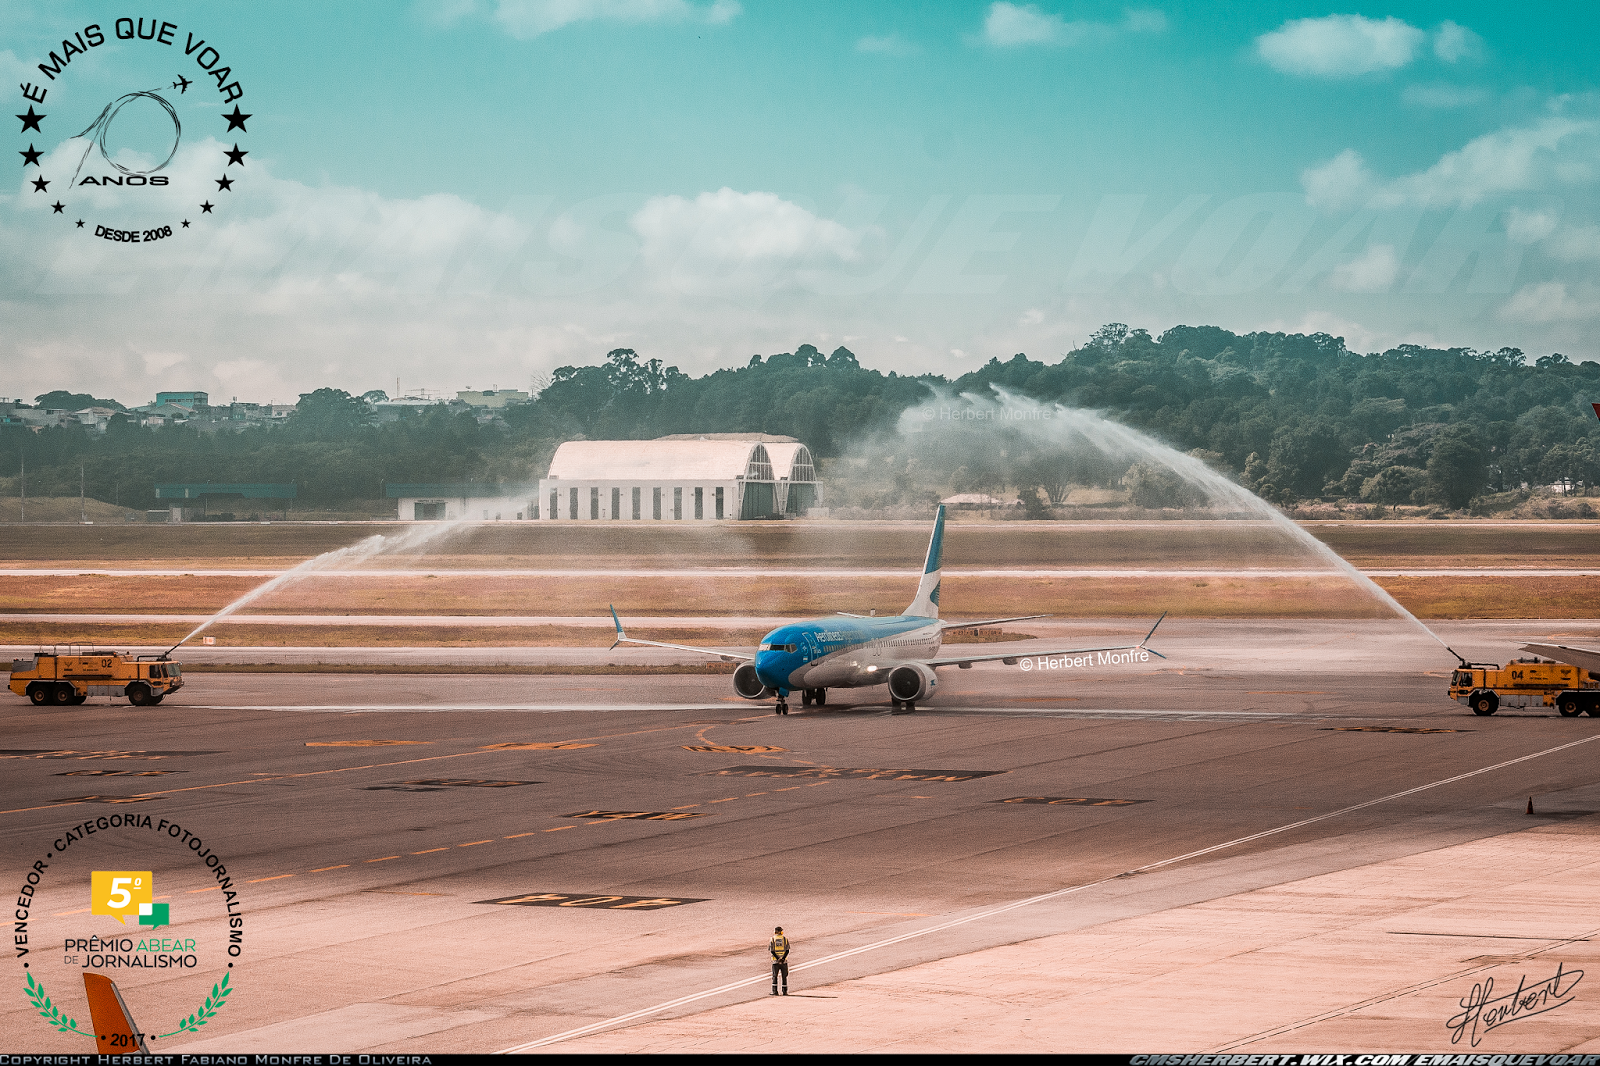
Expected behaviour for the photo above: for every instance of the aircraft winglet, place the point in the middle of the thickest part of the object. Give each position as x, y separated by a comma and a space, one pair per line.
114, 1029
1152, 633
621, 636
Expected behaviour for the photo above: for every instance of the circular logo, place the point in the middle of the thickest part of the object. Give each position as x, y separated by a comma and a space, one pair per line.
1026, 664
158, 153
127, 929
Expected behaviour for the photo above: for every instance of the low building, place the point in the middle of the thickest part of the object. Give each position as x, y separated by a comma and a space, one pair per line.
445, 501
191, 400
202, 500
494, 399
687, 477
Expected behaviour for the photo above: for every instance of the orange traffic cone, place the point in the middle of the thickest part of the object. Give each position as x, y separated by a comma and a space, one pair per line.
1530, 804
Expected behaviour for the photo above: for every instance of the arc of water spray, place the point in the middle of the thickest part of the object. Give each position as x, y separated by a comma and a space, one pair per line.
1110, 435
339, 558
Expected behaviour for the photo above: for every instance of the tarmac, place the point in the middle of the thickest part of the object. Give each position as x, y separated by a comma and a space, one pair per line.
1284, 837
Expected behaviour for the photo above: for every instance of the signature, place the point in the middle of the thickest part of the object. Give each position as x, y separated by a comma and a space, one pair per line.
1482, 1011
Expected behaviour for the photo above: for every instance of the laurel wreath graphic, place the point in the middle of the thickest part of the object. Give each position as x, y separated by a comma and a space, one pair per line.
48, 1011
214, 1002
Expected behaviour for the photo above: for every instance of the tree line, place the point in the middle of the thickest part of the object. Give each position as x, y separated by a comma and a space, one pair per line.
1294, 416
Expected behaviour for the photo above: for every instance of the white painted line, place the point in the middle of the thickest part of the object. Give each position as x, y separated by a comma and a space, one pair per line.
646, 1012
549, 707
704, 572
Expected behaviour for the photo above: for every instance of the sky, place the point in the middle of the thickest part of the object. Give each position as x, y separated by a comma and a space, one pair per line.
471, 193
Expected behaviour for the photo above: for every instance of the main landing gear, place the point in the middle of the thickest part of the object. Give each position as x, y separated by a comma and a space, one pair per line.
808, 697
904, 706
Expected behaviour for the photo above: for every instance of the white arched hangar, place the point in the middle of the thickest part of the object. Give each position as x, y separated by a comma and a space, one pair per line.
686, 478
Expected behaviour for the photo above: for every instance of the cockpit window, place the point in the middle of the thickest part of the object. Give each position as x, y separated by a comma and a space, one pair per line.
778, 647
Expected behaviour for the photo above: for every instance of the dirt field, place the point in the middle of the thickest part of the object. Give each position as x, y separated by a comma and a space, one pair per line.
815, 544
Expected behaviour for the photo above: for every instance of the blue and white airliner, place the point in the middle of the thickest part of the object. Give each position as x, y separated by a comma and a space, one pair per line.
857, 651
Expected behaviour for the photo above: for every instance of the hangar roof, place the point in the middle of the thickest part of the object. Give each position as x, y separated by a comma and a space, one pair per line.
656, 460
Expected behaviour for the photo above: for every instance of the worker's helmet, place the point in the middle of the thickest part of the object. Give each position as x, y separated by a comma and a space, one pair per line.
777, 929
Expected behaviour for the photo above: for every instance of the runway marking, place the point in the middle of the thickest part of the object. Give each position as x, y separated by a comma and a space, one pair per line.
646, 1012
733, 749
598, 902
855, 773
474, 843
361, 743
559, 828
514, 836
386, 858
117, 773
258, 880
1070, 801
213, 888
429, 851
72, 753
1387, 729
325, 869
555, 746
649, 816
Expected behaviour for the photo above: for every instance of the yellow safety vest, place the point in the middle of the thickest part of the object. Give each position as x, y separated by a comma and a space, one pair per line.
779, 948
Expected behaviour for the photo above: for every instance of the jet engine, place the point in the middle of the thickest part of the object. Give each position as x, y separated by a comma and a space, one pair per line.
912, 682
747, 684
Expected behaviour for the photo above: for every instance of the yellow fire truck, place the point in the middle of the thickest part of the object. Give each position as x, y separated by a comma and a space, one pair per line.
71, 675
1487, 687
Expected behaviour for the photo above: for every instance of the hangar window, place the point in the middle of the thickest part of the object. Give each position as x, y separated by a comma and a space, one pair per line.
677, 503
655, 506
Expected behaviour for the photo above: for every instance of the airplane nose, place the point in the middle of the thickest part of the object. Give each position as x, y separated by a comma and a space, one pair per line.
769, 669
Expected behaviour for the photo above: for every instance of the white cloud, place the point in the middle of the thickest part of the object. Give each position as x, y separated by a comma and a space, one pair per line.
1343, 181
1526, 227
1575, 245
526, 19
891, 44
1550, 301
1010, 25
444, 12
737, 240
1554, 151
1372, 271
1441, 96
1340, 46
1453, 43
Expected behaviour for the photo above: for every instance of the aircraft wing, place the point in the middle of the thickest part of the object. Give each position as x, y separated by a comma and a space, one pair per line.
725, 656
1012, 657
1582, 658
946, 626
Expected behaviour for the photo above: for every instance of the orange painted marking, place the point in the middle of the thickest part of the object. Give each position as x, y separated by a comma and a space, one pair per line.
559, 828
475, 843
429, 851
325, 869
258, 880
386, 858
529, 833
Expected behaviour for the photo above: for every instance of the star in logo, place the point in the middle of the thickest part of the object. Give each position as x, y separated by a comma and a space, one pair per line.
235, 156
58, 207
235, 120
40, 184
30, 156
224, 183
207, 206
80, 223
185, 223
30, 121
155, 915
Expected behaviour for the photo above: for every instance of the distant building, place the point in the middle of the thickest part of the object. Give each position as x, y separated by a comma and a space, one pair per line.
191, 400
453, 500
687, 477
394, 410
977, 499
193, 501
494, 399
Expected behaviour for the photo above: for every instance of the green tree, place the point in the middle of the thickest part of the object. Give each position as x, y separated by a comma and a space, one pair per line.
1457, 465
1393, 485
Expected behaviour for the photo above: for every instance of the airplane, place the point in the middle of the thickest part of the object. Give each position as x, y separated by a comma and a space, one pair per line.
184, 82
861, 651
113, 1022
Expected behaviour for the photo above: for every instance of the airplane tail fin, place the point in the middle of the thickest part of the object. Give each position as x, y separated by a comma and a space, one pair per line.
926, 605
114, 1028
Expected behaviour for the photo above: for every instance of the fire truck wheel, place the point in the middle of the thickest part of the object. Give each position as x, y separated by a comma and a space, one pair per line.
1569, 706
84, 698
65, 694
1594, 710
1485, 702
138, 694
39, 694
158, 699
